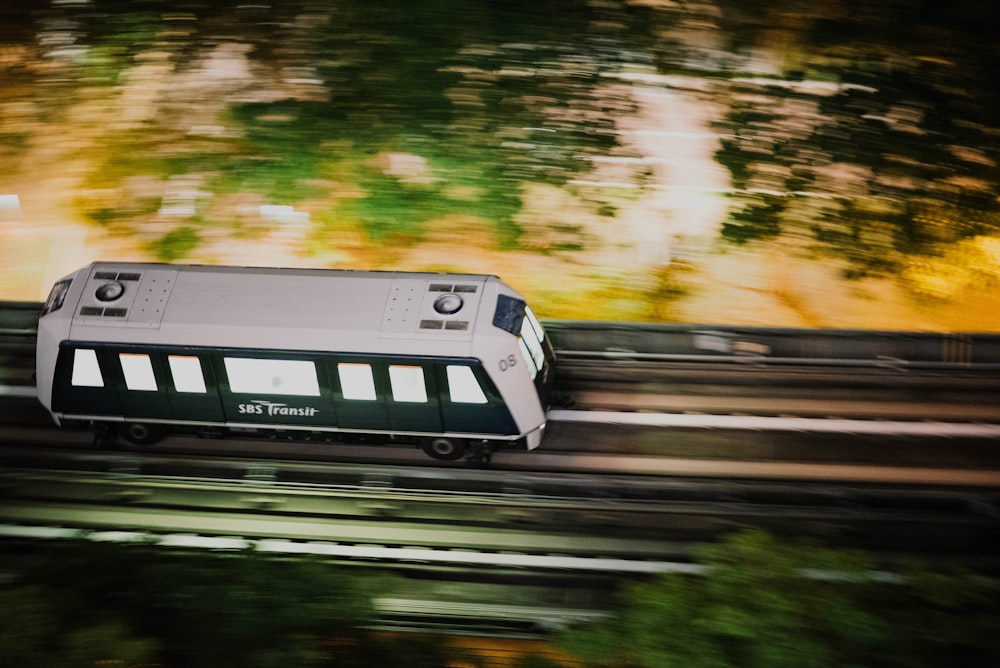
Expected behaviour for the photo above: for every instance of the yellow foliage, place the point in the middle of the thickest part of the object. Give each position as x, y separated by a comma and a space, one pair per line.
967, 265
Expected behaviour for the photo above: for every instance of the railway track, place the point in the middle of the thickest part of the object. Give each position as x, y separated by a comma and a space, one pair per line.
493, 519
883, 444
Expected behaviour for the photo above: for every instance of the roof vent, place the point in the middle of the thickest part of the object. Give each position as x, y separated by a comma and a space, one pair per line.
453, 325
106, 312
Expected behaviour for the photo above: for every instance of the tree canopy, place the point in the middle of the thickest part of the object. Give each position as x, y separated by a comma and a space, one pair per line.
769, 603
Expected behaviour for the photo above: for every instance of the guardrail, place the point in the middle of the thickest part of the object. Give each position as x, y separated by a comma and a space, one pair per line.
502, 512
18, 329
19, 319
773, 345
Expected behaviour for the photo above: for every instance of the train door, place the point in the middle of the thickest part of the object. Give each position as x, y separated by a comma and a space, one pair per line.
141, 387
160, 385
413, 403
273, 390
359, 393
81, 385
470, 402
192, 387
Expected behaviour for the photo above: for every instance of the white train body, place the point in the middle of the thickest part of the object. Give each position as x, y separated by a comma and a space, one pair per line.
412, 355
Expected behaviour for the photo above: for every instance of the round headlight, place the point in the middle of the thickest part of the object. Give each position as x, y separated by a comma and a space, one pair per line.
448, 304
110, 291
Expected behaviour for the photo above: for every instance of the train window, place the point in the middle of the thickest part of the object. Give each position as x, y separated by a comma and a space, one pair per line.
266, 376
407, 384
534, 344
535, 325
526, 354
509, 313
57, 296
357, 381
86, 371
138, 371
187, 375
463, 388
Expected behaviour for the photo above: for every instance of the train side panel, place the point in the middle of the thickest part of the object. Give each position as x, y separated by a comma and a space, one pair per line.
276, 389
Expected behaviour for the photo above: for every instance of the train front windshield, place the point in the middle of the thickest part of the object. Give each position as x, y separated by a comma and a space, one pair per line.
537, 353
531, 340
516, 317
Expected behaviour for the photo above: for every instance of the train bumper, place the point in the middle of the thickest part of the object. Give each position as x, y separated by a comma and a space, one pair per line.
533, 438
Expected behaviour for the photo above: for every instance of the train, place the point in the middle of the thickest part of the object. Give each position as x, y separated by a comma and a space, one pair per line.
456, 364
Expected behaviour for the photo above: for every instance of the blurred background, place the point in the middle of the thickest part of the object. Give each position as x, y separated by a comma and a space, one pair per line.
764, 163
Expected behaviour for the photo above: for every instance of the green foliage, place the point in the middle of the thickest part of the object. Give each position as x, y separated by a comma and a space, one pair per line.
943, 618
175, 244
27, 624
35, 631
669, 285
760, 218
13, 142
259, 610
395, 211
282, 148
82, 604
106, 643
908, 133
102, 216
771, 604
400, 78
130, 33
496, 94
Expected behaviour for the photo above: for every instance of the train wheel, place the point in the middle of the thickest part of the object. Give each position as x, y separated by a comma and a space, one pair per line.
447, 449
140, 433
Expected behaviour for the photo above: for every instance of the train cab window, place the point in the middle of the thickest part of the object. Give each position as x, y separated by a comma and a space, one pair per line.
530, 336
407, 384
187, 374
268, 376
57, 296
138, 372
509, 313
536, 326
528, 358
357, 381
86, 370
463, 388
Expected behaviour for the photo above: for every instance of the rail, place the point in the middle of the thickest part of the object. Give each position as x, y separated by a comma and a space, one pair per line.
495, 519
773, 345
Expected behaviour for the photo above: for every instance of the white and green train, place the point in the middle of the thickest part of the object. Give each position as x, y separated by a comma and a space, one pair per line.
445, 361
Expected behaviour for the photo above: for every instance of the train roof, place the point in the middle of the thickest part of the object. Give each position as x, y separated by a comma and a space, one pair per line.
317, 309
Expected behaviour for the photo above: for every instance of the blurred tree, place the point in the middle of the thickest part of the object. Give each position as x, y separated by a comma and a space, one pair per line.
949, 618
245, 611
109, 643
176, 244
242, 609
27, 625
768, 603
35, 632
